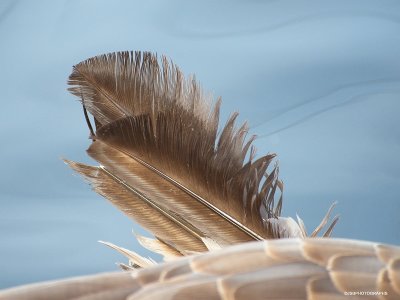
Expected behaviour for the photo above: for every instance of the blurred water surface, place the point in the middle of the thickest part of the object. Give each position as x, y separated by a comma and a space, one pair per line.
319, 82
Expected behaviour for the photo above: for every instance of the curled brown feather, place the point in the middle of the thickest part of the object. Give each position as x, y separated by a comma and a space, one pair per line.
151, 115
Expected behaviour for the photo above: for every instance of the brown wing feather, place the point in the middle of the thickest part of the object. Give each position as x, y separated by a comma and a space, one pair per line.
158, 133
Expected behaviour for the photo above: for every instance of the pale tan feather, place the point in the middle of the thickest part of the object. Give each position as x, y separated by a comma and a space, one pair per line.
135, 260
276, 269
160, 247
116, 285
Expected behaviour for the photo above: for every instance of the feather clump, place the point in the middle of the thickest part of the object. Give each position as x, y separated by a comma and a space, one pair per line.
164, 161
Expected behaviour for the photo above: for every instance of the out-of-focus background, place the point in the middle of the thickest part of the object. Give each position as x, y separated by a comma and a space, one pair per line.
319, 83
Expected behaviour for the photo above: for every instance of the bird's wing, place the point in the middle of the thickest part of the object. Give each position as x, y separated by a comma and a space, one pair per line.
162, 160
322, 269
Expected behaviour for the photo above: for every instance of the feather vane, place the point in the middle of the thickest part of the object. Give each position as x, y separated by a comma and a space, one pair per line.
157, 134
